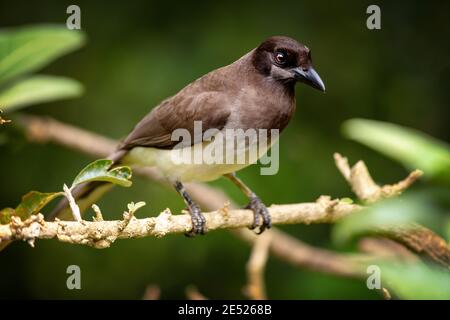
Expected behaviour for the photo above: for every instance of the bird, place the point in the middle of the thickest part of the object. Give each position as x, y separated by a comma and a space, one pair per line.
257, 91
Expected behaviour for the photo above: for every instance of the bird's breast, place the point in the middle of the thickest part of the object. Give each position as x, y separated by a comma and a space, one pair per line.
261, 108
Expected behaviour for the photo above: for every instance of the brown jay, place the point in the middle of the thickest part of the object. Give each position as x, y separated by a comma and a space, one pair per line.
255, 92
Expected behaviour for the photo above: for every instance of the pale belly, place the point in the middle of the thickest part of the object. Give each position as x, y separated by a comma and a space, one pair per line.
195, 163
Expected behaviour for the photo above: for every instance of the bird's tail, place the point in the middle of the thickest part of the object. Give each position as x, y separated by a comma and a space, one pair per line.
87, 193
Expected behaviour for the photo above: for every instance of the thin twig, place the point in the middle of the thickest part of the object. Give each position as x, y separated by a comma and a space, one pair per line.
386, 248
256, 288
73, 205
363, 185
291, 250
152, 292
192, 293
3, 121
386, 294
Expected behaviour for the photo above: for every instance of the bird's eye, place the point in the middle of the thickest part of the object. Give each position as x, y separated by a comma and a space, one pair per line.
280, 57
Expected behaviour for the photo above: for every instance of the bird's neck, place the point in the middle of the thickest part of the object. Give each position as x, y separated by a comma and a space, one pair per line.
271, 102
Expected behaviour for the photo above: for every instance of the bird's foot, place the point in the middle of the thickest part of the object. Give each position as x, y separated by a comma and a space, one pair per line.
259, 209
198, 221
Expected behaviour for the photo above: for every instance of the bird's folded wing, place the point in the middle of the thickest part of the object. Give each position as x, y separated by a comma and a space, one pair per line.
155, 130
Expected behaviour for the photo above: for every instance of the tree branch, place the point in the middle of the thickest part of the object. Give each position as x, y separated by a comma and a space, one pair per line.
415, 237
101, 234
420, 240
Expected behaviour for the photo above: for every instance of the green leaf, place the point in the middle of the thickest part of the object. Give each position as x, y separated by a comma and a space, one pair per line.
391, 212
100, 171
416, 281
31, 204
6, 214
412, 148
26, 49
38, 89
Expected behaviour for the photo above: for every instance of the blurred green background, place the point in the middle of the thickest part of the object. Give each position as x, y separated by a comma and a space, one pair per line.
140, 52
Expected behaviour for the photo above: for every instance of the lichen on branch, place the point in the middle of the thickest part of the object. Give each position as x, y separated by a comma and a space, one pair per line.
101, 234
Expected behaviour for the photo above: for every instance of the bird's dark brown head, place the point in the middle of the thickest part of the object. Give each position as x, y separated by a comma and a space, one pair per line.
287, 61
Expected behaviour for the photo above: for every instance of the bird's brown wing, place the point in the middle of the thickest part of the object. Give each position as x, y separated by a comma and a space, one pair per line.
193, 103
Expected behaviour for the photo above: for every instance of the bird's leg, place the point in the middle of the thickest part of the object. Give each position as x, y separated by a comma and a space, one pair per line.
255, 204
197, 218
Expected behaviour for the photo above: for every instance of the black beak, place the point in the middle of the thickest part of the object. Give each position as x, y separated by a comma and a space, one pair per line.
310, 77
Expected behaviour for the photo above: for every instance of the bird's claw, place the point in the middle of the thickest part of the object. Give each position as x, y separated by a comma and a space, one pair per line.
259, 209
198, 222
